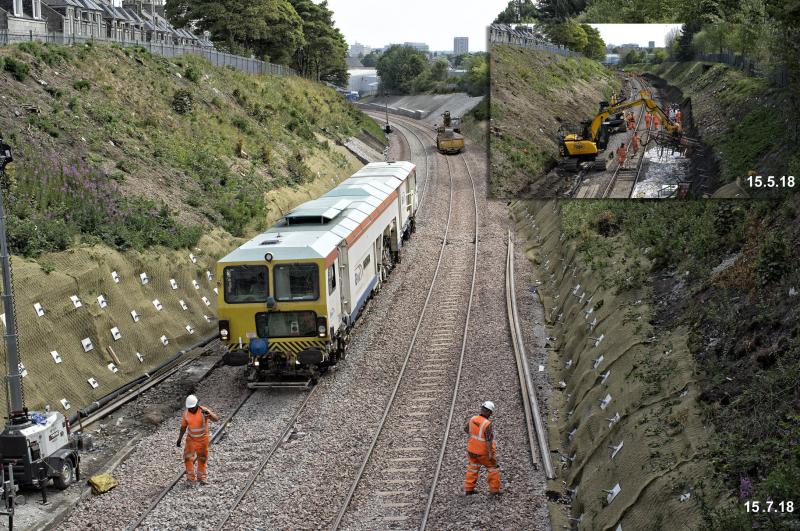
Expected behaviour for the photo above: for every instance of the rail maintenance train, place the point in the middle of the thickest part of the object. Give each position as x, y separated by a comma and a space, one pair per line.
289, 297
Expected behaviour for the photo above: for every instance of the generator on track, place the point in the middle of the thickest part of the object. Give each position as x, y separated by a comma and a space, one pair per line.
448, 135
289, 297
35, 447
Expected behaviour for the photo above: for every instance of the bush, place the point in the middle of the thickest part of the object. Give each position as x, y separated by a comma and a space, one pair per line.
773, 260
82, 85
48, 53
192, 73
17, 69
182, 101
298, 170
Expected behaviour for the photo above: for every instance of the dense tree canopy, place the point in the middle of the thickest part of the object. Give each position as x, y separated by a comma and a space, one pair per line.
322, 53
401, 68
298, 33
518, 12
371, 59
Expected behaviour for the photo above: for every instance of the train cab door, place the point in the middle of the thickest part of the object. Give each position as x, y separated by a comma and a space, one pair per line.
344, 281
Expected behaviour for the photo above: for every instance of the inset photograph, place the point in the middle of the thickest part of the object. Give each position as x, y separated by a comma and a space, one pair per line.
634, 111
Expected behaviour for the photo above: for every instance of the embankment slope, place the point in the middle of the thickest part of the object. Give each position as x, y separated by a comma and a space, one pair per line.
128, 162
533, 95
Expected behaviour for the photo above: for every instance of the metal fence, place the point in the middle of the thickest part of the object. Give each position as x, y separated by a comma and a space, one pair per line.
527, 37
776, 73
165, 49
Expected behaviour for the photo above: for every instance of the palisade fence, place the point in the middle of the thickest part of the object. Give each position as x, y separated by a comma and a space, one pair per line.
165, 49
526, 37
776, 73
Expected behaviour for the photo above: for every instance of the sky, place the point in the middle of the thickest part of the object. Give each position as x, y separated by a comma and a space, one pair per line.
640, 34
380, 22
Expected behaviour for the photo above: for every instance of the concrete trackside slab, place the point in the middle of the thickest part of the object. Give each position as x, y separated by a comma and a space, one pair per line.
423, 107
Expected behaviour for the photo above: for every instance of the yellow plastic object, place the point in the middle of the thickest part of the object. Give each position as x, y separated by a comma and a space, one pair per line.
102, 483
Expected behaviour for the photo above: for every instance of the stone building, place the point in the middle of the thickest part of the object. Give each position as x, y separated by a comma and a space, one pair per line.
77, 20
22, 16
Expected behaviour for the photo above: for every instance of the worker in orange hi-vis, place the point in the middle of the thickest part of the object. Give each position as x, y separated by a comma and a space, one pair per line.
481, 451
635, 143
656, 122
195, 421
678, 117
622, 154
647, 119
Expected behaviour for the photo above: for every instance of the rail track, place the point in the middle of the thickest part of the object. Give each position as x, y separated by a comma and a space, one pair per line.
537, 432
626, 178
386, 488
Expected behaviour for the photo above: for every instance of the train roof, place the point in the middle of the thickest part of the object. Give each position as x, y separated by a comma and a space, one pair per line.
314, 229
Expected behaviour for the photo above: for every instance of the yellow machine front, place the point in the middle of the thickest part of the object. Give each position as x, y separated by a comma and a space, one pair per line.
272, 315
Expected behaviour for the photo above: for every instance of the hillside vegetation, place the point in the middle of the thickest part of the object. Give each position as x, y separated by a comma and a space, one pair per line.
535, 94
712, 282
134, 150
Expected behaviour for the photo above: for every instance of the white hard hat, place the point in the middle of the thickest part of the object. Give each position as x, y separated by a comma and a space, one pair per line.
191, 401
488, 405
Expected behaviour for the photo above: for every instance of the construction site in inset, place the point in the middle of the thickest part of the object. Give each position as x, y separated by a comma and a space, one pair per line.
566, 126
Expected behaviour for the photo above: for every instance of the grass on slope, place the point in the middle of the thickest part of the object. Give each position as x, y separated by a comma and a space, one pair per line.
534, 94
117, 145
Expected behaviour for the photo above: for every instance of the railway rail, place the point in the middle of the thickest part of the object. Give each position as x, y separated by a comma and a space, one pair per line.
168, 488
537, 432
626, 178
419, 385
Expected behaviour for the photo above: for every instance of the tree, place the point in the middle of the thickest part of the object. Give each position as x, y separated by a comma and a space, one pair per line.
322, 53
569, 34
399, 67
371, 59
518, 12
560, 10
440, 69
268, 28
476, 80
595, 46
659, 56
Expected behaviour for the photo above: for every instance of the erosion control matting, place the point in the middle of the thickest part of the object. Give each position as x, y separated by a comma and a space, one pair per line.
624, 383
86, 272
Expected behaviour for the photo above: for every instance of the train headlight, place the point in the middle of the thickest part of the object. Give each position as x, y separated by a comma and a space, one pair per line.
322, 326
224, 326
255, 363
223, 333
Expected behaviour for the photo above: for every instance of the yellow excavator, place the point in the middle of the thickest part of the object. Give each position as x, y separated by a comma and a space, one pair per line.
596, 132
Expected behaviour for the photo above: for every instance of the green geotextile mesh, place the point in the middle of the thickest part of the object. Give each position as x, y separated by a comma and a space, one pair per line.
87, 273
650, 382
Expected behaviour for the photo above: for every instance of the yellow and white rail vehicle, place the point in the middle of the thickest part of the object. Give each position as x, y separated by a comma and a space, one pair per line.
289, 297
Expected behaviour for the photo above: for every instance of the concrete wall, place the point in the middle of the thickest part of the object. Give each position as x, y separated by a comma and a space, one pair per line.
24, 26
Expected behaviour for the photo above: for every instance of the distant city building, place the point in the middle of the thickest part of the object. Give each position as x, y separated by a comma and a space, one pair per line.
358, 49
611, 59
633, 46
421, 46
651, 44
461, 45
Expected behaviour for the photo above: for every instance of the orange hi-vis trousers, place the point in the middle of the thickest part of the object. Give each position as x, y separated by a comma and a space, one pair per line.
196, 450
474, 464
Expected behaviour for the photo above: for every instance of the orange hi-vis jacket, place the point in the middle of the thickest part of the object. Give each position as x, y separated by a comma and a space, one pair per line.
196, 425
477, 443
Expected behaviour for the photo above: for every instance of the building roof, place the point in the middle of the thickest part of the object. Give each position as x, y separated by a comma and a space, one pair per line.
314, 229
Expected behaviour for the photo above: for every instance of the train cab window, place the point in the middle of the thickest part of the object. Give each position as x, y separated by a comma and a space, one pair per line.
331, 279
246, 284
296, 282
